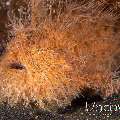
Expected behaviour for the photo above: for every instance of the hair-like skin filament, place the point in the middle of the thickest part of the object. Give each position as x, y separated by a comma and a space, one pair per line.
57, 62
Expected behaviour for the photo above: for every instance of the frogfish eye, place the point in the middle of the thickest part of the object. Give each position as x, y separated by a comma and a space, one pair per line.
17, 66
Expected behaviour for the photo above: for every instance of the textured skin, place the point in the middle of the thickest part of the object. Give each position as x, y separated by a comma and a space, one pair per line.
54, 63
